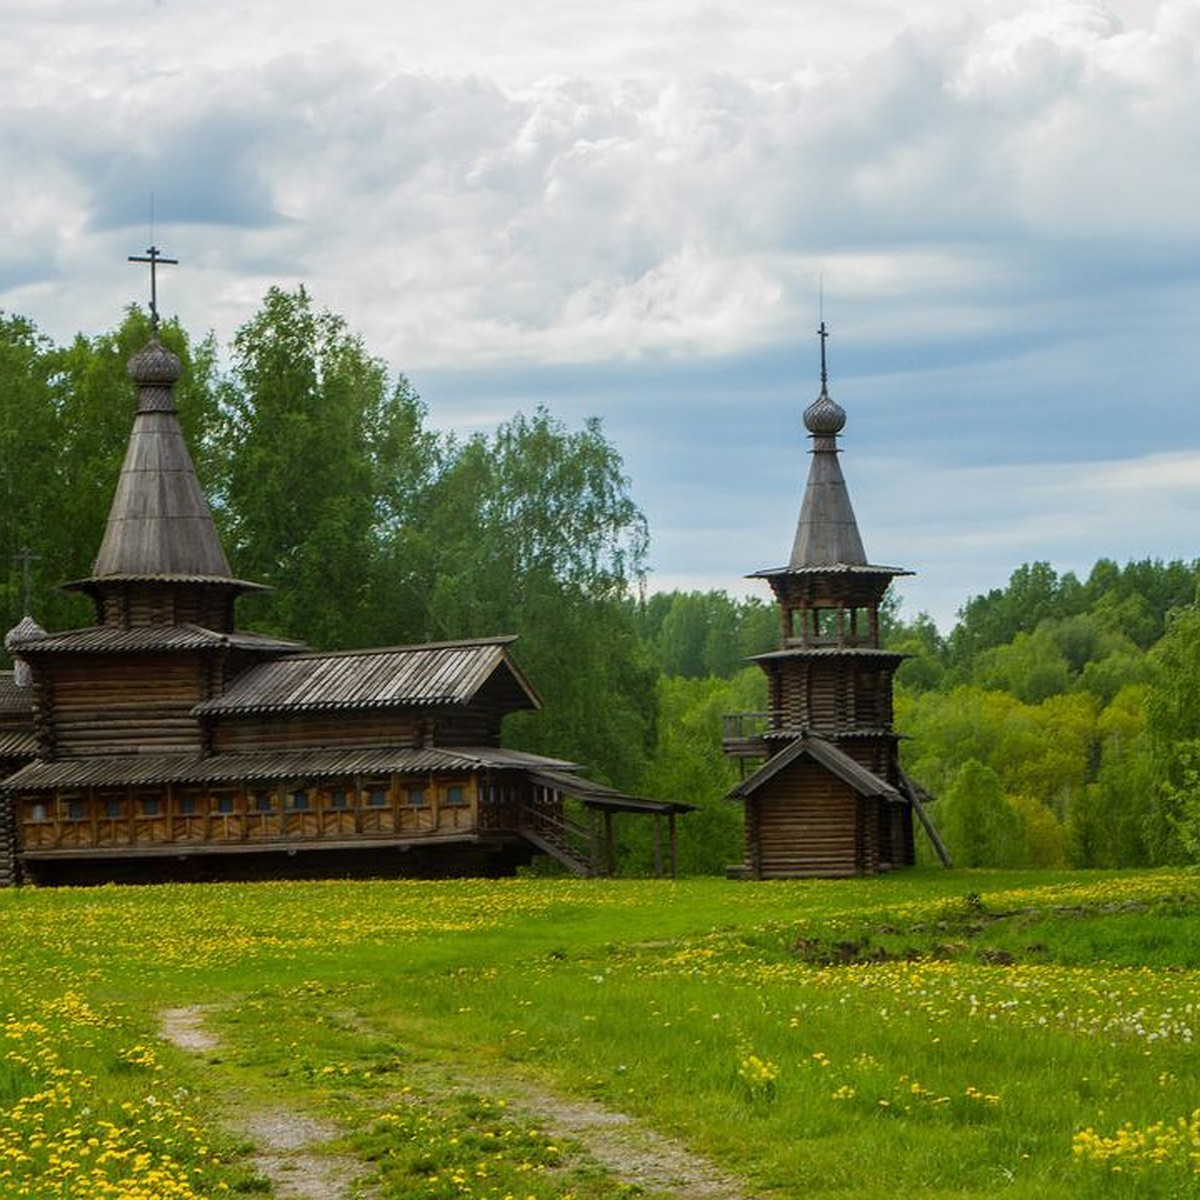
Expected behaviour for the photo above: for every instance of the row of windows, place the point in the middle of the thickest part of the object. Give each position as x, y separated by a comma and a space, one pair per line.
830, 624
297, 800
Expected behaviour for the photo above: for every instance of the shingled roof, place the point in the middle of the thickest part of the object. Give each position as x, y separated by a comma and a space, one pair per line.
159, 523
432, 674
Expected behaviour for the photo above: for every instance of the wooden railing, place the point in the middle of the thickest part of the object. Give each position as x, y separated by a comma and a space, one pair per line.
742, 733
551, 830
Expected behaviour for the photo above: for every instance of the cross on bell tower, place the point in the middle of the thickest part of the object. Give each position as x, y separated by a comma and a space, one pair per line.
153, 256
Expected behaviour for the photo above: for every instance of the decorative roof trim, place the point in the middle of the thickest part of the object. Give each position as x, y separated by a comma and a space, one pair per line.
830, 569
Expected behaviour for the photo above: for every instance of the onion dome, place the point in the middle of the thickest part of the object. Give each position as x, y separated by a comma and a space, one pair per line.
27, 629
824, 417
155, 365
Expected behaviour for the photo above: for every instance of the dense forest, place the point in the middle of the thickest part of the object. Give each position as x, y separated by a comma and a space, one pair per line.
1057, 723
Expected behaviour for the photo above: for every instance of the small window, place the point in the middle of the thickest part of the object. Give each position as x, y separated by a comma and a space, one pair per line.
337, 798
76, 810
455, 796
378, 798
297, 801
151, 806
187, 806
37, 812
114, 809
225, 804
416, 797
262, 802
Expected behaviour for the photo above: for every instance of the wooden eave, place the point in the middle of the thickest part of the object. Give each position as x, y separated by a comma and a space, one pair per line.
827, 754
601, 796
111, 639
148, 770
97, 583
831, 569
435, 674
860, 652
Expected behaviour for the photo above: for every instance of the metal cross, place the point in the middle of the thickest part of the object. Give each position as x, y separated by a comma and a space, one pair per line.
27, 558
823, 334
153, 257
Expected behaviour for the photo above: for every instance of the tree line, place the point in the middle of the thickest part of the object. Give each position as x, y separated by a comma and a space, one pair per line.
1057, 722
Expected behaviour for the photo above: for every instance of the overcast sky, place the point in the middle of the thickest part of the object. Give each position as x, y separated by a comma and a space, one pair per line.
626, 209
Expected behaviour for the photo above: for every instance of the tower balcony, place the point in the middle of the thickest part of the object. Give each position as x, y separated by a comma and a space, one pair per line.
744, 735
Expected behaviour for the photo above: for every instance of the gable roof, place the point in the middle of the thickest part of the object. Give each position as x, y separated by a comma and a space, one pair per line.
828, 755
432, 674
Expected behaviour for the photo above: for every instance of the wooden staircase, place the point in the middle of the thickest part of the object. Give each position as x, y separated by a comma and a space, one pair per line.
571, 843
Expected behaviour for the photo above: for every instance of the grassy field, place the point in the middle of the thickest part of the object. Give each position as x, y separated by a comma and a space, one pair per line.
941, 1034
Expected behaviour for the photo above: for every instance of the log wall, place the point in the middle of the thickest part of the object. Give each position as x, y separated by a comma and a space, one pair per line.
806, 821
137, 704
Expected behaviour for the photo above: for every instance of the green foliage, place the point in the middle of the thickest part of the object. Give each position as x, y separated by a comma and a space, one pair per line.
317, 450
532, 531
698, 634
1173, 730
689, 766
976, 821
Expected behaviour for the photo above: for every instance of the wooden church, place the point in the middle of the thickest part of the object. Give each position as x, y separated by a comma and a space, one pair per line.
163, 742
828, 797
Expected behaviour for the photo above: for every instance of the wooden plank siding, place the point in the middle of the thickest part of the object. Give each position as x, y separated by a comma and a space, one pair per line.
396, 807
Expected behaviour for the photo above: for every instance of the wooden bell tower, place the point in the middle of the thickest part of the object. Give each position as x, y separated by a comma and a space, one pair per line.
830, 798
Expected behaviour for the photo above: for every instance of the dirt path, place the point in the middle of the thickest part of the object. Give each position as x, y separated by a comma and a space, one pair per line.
633, 1152
289, 1143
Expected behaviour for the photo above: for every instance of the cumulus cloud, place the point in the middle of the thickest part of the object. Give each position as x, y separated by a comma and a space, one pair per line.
635, 202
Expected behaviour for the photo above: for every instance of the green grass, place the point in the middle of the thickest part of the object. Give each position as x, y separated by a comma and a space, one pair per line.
957, 1034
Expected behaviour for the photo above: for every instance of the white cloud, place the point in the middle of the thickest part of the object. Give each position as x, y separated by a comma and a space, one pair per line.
1003, 198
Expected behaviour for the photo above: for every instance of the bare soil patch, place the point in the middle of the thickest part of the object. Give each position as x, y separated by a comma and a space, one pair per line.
288, 1144
628, 1148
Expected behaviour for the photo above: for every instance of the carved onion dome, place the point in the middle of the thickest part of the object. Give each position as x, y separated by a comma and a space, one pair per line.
827, 532
155, 370
26, 630
824, 417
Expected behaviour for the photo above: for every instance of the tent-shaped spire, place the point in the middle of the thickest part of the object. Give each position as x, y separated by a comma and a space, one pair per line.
827, 533
159, 524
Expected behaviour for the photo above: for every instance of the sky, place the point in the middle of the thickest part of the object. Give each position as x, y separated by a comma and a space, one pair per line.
640, 210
